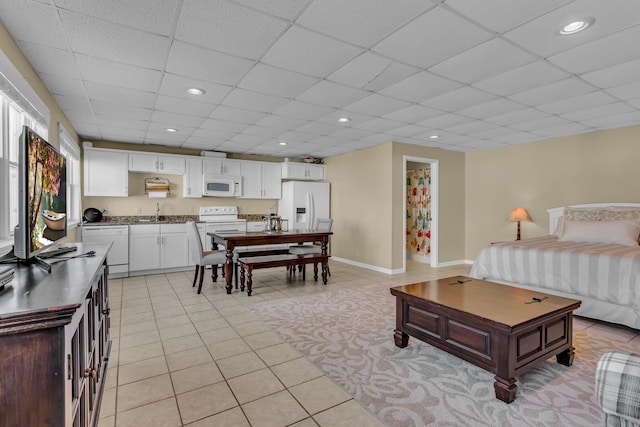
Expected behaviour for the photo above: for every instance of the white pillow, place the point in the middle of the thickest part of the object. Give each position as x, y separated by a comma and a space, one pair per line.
611, 232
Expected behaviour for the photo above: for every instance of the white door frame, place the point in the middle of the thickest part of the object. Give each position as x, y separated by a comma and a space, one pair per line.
433, 258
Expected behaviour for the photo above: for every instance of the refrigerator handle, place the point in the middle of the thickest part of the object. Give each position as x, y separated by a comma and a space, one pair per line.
312, 210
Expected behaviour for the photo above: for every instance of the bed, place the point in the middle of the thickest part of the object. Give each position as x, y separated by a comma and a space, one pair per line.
591, 254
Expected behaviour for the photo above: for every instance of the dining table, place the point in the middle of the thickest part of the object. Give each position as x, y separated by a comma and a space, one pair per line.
233, 239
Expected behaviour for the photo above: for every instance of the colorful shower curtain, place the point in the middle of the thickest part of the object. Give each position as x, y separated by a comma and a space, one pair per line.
419, 212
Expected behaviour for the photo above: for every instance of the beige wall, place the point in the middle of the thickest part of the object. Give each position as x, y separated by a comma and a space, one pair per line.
368, 206
17, 58
590, 168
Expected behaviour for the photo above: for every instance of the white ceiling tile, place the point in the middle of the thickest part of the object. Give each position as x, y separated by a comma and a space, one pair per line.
238, 115
420, 87
534, 125
517, 138
444, 121
184, 106
114, 94
581, 102
540, 35
371, 72
488, 59
511, 12
331, 94
174, 85
227, 27
408, 130
115, 133
493, 133
618, 120
250, 139
164, 137
212, 135
552, 92
173, 120
512, 117
50, 60
287, 9
204, 64
471, 127
274, 81
127, 76
254, 101
564, 130
599, 111
612, 50
319, 128
25, 16
379, 125
413, 114
352, 134
161, 128
614, 76
59, 85
376, 105
281, 122
75, 103
158, 19
491, 108
354, 118
297, 137
223, 126
303, 110
459, 98
521, 79
120, 122
414, 43
625, 92
309, 53
94, 37
120, 111
262, 131
361, 22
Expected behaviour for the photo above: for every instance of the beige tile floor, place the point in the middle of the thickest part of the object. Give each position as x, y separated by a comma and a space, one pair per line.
182, 359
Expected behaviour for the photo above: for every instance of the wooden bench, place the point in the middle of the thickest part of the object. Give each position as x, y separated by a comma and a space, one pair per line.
247, 264
245, 253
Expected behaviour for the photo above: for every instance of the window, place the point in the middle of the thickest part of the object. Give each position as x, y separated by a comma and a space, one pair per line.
71, 151
19, 105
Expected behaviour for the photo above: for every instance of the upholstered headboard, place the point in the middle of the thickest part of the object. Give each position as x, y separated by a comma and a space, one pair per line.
556, 213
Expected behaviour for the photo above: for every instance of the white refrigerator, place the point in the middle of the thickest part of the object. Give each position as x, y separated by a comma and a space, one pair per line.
302, 202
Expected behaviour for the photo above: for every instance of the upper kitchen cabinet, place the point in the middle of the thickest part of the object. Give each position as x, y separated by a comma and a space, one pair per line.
261, 180
218, 166
106, 172
304, 171
153, 162
192, 179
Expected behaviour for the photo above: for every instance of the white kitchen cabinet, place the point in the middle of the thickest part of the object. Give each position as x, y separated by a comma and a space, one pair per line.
106, 172
261, 180
192, 178
217, 166
157, 246
302, 171
154, 162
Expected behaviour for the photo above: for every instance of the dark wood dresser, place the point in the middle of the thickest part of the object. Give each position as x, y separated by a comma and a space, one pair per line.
54, 342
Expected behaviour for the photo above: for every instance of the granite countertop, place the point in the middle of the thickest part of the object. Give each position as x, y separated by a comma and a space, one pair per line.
162, 219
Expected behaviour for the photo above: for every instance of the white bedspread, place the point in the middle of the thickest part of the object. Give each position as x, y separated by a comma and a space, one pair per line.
602, 272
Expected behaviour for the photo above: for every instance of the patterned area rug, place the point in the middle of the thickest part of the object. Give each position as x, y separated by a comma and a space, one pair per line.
349, 335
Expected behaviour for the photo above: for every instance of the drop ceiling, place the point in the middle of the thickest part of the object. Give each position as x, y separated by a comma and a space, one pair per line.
278, 74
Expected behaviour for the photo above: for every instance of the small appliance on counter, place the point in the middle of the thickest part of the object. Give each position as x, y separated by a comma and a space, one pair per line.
92, 215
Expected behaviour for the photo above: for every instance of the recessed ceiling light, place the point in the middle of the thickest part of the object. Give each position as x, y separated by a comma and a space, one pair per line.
576, 26
283, 143
196, 91
434, 136
344, 119
171, 130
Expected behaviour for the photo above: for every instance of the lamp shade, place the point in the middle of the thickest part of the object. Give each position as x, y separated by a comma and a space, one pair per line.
519, 214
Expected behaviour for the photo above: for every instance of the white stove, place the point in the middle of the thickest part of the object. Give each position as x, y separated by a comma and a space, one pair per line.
222, 218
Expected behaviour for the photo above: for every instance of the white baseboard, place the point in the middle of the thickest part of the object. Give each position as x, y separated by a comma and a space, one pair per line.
367, 266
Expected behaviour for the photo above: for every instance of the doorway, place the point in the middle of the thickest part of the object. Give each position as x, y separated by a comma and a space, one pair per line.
420, 211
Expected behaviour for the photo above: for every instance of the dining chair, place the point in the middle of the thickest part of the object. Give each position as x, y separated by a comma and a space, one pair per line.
202, 258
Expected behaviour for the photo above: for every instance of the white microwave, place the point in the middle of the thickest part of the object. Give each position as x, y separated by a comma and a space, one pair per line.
222, 186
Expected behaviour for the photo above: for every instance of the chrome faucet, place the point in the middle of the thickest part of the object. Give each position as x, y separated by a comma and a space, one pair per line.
157, 211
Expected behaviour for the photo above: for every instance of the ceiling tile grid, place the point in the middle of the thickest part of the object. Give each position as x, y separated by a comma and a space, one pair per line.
478, 74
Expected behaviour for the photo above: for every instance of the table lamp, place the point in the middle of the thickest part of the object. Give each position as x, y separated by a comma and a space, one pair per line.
519, 214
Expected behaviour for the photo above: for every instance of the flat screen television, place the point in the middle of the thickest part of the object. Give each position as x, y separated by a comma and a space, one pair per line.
42, 196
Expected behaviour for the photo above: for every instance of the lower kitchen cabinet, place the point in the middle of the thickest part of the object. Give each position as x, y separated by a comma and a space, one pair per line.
157, 247
55, 344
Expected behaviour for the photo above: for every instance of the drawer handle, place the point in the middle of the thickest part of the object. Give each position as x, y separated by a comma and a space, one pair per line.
90, 372
106, 311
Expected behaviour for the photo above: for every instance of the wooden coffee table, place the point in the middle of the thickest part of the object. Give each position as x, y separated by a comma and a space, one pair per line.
503, 329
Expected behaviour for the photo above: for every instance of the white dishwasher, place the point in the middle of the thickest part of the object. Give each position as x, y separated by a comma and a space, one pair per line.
118, 235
